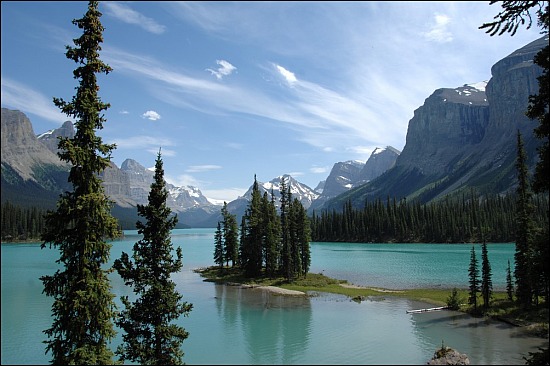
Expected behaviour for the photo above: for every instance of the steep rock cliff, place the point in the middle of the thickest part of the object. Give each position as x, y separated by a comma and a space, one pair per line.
464, 138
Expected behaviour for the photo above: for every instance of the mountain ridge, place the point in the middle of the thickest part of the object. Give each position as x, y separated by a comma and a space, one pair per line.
465, 142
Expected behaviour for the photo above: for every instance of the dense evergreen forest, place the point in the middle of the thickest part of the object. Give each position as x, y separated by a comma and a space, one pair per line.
20, 223
469, 219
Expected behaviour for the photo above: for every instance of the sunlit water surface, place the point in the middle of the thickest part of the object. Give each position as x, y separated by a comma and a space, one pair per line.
230, 325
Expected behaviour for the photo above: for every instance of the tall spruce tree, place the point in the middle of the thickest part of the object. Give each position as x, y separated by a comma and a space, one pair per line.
251, 250
151, 337
272, 235
509, 283
230, 232
83, 306
486, 277
474, 279
304, 237
524, 230
286, 255
218, 246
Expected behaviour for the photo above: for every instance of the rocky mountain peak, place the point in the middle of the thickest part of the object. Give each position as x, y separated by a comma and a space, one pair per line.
50, 138
380, 160
21, 149
132, 166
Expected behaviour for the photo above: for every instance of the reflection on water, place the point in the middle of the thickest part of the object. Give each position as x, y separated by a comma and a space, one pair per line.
275, 328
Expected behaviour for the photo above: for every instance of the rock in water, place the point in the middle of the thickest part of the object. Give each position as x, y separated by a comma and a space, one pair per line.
448, 356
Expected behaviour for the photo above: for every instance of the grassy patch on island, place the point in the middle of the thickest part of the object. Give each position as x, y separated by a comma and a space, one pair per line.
501, 308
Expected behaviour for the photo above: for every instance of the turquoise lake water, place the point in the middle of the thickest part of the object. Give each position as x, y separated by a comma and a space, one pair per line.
230, 325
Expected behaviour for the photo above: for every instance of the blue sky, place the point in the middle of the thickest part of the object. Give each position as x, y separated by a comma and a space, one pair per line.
233, 89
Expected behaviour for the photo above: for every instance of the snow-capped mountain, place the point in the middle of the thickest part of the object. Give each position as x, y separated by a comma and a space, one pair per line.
305, 194
140, 180
353, 173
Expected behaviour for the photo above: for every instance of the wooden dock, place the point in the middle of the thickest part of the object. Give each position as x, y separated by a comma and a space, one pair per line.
426, 310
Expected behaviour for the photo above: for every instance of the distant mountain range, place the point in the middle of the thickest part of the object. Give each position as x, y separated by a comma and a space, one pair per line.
31, 169
460, 139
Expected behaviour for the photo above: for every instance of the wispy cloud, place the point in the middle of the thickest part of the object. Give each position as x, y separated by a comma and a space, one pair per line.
362, 150
130, 16
22, 97
287, 75
143, 142
218, 196
202, 168
151, 115
183, 180
225, 69
165, 152
319, 169
439, 31
320, 115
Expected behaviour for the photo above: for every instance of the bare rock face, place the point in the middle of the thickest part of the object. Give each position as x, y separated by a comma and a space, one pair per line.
50, 138
379, 162
448, 356
23, 152
464, 137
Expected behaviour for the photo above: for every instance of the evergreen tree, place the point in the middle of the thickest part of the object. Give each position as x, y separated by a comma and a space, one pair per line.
524, 230
243, 250
83, 306
230, 236
453, 301
272, 235
150, 336
253, 238
286, 254
509, 283
486, 277
303, 238
474, 280
294, 244
218, 246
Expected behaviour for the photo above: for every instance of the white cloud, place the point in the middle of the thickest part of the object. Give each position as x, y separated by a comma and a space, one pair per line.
361, 150
143, 142
202, 168
288, 75
130, 16
151, 115
27, 100
319, 170
218, 196
164, 152
124, 112
439, 32
225, 69
183, 180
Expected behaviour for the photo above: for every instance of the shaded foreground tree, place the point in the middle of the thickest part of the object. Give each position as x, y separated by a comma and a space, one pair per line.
83, 306
486, 277
524, 230
150, 336
474, 280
